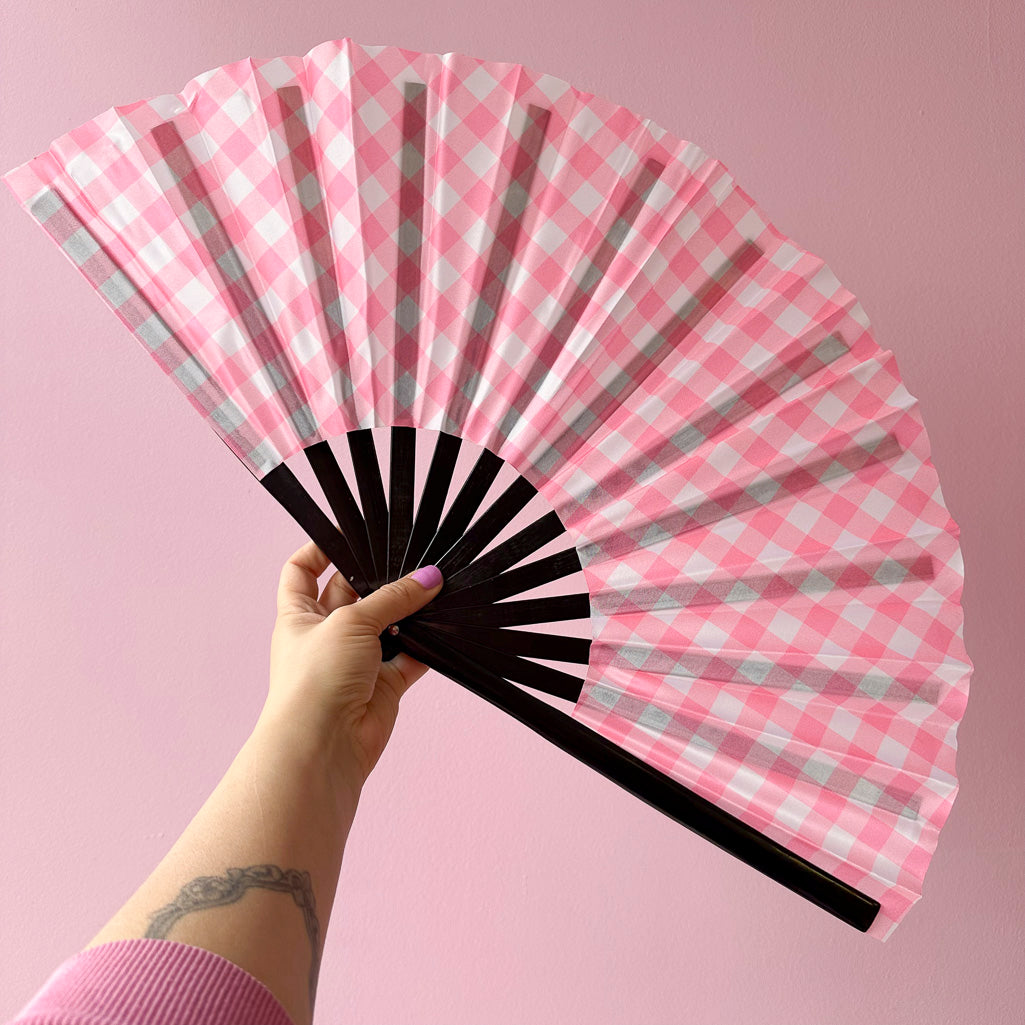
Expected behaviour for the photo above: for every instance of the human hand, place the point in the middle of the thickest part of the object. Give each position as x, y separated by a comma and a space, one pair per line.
327, 680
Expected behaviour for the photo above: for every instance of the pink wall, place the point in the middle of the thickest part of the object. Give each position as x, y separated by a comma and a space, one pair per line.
489, 878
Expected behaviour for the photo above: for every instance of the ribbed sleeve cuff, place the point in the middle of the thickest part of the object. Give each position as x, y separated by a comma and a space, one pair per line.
151, 982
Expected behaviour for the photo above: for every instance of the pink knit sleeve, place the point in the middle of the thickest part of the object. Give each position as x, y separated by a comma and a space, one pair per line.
151, 982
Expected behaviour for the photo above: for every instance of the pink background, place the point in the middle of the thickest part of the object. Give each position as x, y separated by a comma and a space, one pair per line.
489, 878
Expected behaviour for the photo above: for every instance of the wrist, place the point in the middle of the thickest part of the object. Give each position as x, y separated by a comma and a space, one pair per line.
299, 737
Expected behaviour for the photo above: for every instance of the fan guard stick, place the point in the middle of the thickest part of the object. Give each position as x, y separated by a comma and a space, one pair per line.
667, 795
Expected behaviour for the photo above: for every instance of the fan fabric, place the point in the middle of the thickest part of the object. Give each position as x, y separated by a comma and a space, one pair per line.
368, 236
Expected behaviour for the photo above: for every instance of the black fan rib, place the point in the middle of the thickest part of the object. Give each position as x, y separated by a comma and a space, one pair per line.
520, 670
400, 497
286, 488
342, 502
513, 581
371, 496
432, 501
508, 553
515, 613
521, 642
487, 526
464, 506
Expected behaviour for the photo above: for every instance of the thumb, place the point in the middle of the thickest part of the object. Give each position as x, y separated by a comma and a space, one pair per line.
398, 599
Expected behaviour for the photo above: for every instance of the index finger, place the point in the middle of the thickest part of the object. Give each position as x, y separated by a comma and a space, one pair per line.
298, 579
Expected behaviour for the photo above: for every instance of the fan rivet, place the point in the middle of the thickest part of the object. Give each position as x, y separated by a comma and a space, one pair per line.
393, 629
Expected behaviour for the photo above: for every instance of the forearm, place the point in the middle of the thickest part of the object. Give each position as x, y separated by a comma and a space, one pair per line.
253, 876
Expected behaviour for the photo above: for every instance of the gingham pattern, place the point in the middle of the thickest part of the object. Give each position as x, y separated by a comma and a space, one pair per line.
367, 236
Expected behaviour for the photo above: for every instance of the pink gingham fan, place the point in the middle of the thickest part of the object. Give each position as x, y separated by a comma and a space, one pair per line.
718, 452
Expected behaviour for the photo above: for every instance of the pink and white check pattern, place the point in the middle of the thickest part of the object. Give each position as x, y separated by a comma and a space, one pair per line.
367, 236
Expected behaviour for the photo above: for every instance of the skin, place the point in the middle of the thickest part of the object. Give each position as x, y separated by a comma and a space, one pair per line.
253, 876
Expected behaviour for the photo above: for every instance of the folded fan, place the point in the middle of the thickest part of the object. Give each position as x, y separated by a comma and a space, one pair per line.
714, 443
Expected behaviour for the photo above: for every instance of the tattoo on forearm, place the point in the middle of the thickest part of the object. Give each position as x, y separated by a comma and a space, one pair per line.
213, 891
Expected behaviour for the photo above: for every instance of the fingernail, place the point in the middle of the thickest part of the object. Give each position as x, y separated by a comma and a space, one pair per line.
427, 577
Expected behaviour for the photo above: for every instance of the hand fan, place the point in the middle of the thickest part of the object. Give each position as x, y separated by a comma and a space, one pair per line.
491, 262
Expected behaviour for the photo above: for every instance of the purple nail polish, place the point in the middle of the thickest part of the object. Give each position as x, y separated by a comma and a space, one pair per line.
427, 577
